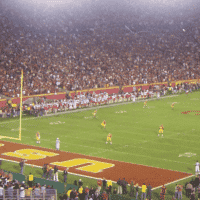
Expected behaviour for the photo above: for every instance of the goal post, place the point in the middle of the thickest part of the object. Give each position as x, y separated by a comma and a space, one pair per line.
20, 117
17, 124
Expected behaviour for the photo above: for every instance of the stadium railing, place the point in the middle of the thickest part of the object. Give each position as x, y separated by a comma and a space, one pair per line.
50, 194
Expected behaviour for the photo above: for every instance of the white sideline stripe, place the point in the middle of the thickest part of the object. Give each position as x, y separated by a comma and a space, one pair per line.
174, 182
90, 108
131, 154
62, 171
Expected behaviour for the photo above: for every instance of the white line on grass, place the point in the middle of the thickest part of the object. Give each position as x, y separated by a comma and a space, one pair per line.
60, 171
130, 154
173, 182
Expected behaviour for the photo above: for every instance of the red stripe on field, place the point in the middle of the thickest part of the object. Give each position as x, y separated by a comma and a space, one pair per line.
139, 173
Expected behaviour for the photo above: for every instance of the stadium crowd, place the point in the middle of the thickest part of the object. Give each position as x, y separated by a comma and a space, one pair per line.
13, 189
43, 106
64, 52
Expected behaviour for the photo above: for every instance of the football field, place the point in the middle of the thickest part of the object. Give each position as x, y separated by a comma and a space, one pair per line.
134, 132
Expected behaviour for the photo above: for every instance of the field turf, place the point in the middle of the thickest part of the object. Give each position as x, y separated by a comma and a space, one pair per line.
135, 132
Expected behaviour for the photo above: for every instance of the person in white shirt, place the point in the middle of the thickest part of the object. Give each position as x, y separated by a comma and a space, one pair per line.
1, 191
22, 191
57, 144
197, 167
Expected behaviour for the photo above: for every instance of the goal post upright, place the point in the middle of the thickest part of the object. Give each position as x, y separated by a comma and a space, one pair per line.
20, 118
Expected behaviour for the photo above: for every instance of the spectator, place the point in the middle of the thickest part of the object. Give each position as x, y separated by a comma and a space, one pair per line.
176, 191
97, 194
43, 190
189, 188
50, 174
10, 191
109, 183
132, 189
55, 178
65, 174
73, 194
124, 188
86, 193
119, 183
104, 183
99, 183
64, 197
37, 191
80, 183
80, 191
104, 195
91, 192
136, 189
1, 192
115, 191
30, 180
28, 192
149, 192
90, 198
44, 171
22, 191
22, 165
75, 182
180, 188
68, 193
192, 194
162, 193
199, 192
196, 182
144, 187
10, 176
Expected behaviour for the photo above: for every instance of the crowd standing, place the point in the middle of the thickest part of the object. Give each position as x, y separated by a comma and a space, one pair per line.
10, 188
43, 106
93, 50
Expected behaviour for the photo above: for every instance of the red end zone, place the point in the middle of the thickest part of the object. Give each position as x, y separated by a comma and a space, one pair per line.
89, 165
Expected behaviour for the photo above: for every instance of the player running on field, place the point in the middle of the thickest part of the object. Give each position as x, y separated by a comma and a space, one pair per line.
161, 128
109, 136
94, 113
145, 104
172, 106
38, 137
103, 124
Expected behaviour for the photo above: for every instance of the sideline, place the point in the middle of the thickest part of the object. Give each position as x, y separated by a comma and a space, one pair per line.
173, 182
89, 108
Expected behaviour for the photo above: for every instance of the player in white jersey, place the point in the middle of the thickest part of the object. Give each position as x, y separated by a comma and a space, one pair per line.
197, 167
57, 144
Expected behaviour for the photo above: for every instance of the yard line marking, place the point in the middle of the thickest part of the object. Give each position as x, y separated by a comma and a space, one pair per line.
59, 171
174, 182
131, 154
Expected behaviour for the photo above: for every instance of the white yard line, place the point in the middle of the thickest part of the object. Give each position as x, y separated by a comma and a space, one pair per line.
146, 156
174, 182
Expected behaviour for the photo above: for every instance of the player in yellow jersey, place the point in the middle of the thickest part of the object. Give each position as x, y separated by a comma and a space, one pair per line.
172, 106
161, 128
109, 136
94, 113
103, 123
145, 104
38, 137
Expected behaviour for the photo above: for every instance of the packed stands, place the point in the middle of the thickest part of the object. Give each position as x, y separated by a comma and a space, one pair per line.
67, 52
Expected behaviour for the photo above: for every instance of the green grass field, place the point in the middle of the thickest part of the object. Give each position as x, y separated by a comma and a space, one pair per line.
135, 132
